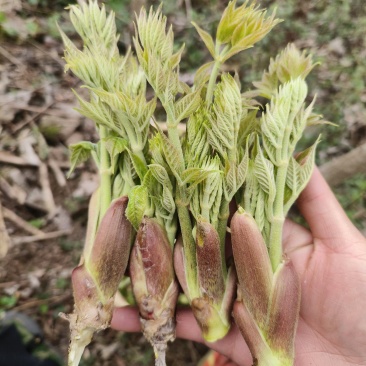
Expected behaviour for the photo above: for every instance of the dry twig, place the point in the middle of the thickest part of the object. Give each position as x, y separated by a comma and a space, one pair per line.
46, 189
44, 236
7, 158
17, 220
4, 237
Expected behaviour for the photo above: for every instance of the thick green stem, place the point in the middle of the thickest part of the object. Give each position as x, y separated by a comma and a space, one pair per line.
215, 72
221, 230
189, 247
275, 242
213, 77
173, 134
212, 82
140, 154
105, 174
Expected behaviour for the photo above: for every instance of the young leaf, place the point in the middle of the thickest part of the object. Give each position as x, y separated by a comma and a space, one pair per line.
138, 164
115, 145
187, 105
161, 175
206, 38
264, 172
137, 204
80, 152
172, 156
203, 74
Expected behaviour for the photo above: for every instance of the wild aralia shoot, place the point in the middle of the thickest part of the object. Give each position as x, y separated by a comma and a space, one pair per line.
162, 206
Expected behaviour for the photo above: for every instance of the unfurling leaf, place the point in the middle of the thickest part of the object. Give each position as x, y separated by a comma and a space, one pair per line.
264, 172
288, 65
187, 106
80, 152
242, 27
206, 38
138, 164
138, 203
283, 122
203, 74
115, 145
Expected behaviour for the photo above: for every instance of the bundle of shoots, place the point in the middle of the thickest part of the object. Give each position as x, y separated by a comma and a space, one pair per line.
267, 308
216, 162
170, 194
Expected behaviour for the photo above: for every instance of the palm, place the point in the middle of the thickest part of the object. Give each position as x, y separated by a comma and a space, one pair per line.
332, 329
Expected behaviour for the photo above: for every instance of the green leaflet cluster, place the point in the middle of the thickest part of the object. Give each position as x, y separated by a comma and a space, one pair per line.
180, 185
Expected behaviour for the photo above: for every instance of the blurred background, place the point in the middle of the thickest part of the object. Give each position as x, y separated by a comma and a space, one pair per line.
45, 214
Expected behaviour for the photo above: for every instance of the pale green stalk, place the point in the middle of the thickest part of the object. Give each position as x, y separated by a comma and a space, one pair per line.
105, 173
221, 229
189, 247
275, 242
215, 72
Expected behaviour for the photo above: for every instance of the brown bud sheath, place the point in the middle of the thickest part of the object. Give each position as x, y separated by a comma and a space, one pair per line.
91, 230
109, 257
96, 281
250, 331
154, 285
179, 265
213, 307
284, 310
252, 263
209, 262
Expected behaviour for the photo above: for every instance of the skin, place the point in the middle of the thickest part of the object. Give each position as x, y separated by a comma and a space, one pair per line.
330, 259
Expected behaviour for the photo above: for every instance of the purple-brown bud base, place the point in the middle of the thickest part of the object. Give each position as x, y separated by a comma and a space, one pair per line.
95, 281
154, 285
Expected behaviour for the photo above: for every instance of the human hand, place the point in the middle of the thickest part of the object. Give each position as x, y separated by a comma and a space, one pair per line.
331, 262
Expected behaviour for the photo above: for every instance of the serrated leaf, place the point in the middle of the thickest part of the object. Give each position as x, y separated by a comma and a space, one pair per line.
167, 200
203, 74
206, 38
187, 105
264, 172
138, 164
306, 160
284, 120
115, 145
242, 169
260, 217
299, 173
173, 157
175, 58
161, 175
230, 183
293, 175
80, 152
137, 204
195, 176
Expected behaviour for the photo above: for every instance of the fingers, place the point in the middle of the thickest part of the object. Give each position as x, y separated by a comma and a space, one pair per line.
233, 346
126, 319
326, 218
